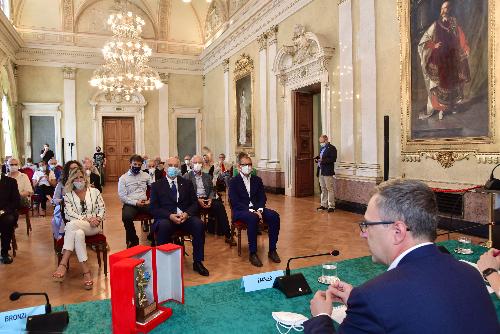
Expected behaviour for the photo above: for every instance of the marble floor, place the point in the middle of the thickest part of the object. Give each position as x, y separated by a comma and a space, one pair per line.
303, 231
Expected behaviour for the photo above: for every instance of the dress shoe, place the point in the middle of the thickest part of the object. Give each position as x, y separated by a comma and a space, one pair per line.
321, 208
131, 244
230, 241
331, 209
200, 268
273, 255
6, 259
254, 260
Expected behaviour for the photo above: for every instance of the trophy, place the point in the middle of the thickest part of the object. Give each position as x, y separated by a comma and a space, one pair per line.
144, 309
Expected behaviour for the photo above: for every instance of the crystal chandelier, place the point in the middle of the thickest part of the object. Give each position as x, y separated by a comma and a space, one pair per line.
126, 56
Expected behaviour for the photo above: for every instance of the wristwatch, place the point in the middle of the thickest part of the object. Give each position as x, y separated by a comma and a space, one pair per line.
488, 271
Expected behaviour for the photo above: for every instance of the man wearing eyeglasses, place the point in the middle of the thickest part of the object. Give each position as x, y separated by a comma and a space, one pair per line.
423, 290
248, 202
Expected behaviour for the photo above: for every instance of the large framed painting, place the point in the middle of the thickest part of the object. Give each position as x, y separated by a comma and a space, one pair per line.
447, 73
243, 92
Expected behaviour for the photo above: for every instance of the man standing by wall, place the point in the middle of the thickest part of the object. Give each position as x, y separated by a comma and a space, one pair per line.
326, 171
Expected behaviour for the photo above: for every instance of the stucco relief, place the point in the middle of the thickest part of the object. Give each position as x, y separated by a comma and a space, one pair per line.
234, 5
215, 19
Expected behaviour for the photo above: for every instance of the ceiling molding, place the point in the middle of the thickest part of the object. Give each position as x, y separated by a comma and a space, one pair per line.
246, 27
10, 40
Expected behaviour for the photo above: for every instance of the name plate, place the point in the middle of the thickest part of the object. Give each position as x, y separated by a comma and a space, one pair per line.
260, 281
15, 321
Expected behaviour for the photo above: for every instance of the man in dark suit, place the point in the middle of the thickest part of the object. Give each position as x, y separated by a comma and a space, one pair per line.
174, 205
9, 203
325, 172
423, 290
204, 189
248, 202
186, 166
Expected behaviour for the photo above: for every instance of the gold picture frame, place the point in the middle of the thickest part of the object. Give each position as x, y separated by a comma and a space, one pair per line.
412, 145
243, 83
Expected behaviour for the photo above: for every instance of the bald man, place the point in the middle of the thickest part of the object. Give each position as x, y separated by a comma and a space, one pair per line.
174, 206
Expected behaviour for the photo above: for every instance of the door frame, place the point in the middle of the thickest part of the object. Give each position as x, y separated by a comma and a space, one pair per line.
111, 105
42, 109
187, 112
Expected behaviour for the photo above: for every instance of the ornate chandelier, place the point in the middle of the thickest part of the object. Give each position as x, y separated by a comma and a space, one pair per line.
126, 56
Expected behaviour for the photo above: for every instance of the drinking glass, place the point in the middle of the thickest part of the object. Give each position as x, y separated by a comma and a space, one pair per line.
465, 245
329, 272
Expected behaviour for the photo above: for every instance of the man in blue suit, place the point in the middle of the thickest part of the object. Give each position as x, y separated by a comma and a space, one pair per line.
248, 202
423, 291
174, 206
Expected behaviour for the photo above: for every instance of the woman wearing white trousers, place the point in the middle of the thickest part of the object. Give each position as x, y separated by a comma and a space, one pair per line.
84, 212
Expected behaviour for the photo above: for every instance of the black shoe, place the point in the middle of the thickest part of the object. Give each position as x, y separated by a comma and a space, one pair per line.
145, 228
198, 266
331, 209
131, 244
321, 208
273, 255
6, 259
230, 241
254, 260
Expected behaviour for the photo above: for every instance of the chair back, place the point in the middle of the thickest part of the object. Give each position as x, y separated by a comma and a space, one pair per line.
28, 171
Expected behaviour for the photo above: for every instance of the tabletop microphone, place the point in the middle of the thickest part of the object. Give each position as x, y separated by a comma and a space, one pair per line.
296, 285
333, 253
48, 322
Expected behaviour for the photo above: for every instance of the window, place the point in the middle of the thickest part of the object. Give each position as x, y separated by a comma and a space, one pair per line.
5, 5
6, 127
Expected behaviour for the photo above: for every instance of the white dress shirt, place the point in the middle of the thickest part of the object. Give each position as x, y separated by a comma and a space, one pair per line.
396, 261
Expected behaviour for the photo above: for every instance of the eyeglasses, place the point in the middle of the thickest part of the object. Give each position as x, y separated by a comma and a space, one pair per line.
363, 225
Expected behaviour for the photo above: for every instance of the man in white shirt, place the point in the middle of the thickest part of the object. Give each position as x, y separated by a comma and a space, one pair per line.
44, 182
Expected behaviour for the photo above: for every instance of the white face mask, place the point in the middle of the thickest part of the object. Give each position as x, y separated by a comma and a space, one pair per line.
186, 162
88, 172
151, 171
246, 170
197, 167
289, 321
13, 169
79, 185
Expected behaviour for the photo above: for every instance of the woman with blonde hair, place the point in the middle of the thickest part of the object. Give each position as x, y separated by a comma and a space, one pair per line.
84, 212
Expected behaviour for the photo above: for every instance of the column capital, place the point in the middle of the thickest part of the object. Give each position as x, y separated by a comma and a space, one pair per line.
262, 40
342, 1
164, 77
69, 73
272, 35
225, 65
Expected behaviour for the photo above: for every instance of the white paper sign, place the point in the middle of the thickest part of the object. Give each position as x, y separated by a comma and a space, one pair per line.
260, 281
15, 321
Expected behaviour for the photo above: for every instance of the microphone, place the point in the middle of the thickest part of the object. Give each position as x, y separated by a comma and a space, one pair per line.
48, 322
333, 253
296, 285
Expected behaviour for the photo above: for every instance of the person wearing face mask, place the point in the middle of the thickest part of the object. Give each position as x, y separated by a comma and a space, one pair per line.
9, 203
53, 166
248, 202
90, 172
84, 211
174, 206
160, 170
205, 192
29, 164
325, 172
186, 166
23, 182
145, 163
44, 181
151, 170
132, 188
100, 163
222, 172
57, 218
46, 153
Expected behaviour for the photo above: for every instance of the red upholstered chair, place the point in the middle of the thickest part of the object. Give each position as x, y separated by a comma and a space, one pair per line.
97, 243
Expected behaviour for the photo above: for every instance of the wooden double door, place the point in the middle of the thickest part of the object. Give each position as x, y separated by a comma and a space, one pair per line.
304, 141
119, 145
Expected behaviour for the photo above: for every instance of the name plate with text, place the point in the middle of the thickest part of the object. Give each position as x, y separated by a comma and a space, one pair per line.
15, 321
260, 281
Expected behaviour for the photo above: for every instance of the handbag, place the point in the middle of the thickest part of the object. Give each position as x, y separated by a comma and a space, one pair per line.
493, 183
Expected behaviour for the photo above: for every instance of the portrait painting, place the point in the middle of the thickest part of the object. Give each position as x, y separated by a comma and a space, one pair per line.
448, 70
244, 135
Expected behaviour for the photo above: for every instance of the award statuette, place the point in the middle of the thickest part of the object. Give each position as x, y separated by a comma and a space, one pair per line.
144, 309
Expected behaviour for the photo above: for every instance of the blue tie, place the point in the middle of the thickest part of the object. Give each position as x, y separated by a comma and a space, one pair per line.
173, 189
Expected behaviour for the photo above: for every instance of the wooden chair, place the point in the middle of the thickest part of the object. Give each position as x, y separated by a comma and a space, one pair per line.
26, 213
14, 242
97, 243
145, 219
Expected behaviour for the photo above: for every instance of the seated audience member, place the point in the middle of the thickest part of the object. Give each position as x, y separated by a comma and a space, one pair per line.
205, 192
236, 171
151, 170
160, 171
132, 189
423, 290
489, 265
208, 166
90, 172
222, 170
145, 163
53, 166
9, 203
157, 161
29, 164
84, 212
248, 202
57, 218
186, 166
174, 206
44, 181
23, 182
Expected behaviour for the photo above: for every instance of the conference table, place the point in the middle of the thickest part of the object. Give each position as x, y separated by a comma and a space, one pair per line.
224, 307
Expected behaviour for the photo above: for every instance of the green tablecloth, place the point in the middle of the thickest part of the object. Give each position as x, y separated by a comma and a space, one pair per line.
225, 308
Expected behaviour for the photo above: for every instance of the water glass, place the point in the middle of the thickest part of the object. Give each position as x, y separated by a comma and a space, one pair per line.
329, 272
465, 245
